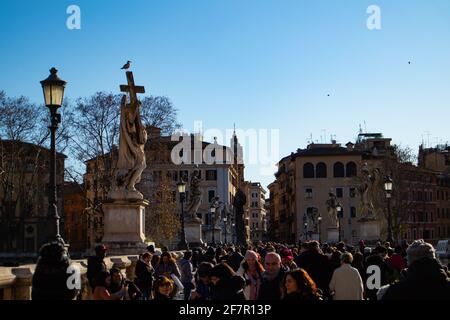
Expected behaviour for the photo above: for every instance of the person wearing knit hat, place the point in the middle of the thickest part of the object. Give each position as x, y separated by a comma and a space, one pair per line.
250, 254
419, 249
426, 278
251, 270
287, 260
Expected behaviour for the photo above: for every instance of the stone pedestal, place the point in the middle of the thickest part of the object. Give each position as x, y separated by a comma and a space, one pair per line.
193, 232
124, 222
217, 235
369, 230
333, 235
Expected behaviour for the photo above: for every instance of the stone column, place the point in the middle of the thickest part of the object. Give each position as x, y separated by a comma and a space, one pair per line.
22, 285
6, 283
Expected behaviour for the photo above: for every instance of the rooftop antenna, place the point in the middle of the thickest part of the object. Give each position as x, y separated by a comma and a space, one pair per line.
311, 138
365, 126
324, 135
428, 138
360, 129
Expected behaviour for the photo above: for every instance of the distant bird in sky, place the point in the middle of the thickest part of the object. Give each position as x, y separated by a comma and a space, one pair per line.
409, 62
127, 65
328, 95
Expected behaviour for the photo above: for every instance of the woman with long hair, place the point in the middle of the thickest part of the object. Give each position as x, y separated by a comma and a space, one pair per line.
298, 285
251, 270
167, 266
101, 292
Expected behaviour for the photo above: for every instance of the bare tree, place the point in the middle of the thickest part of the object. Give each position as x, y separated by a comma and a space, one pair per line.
160, 112
23, 160
162, 220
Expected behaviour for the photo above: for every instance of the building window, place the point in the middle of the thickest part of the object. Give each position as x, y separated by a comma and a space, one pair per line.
308, 170
351, 169
321, 170
211, 175
339, 192
352, 212
352, 192
338, 170
308, 193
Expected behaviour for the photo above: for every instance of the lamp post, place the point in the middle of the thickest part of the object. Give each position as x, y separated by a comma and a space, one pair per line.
53, 89
213, 218
181, 186
305, 226
339, 215
319, 218
225, 219
388, 189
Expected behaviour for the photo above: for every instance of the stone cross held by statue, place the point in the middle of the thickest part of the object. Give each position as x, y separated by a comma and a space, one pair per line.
131, 88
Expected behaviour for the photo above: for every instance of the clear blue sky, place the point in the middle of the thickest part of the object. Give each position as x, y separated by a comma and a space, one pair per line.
260, 63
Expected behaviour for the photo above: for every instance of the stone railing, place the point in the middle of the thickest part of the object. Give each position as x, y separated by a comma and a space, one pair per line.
15, 282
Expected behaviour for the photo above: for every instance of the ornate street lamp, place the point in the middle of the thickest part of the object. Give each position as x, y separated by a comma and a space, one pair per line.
319, 219
339, 215
213, 215
305, 227
53, 88
181, 186
388, 189
225, 219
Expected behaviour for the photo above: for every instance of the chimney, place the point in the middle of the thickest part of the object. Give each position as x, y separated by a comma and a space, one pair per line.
349, 146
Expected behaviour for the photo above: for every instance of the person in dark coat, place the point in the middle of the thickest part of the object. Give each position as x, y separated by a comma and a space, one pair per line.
144, 275
316, 265
51, 277
96, 265
226, 284
203, 290
187, 277
426, 278
378, 258
234, 259
272, 278
117, 283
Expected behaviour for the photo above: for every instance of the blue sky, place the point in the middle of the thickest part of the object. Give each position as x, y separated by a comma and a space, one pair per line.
262, 64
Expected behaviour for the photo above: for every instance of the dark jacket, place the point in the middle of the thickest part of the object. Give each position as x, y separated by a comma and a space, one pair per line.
234, 261
231, 289
376, 260
144, 275
50, 283
204, 290
95, 266
186, 271
318, 268
271, 289
167, 269
425, 279
297, 296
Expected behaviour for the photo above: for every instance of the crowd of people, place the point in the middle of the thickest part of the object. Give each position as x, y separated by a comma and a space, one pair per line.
272, 271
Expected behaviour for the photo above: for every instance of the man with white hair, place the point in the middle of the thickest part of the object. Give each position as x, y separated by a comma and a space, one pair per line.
346, 283
426, 278
272, 278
